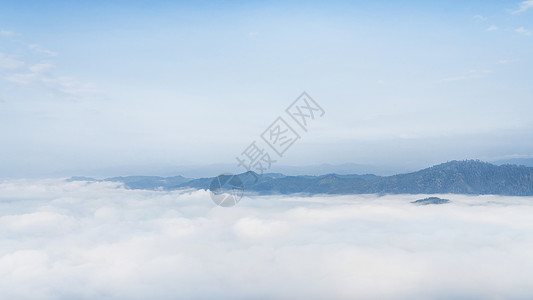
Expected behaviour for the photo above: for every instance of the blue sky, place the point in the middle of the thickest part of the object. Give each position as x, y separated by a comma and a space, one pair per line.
100, 84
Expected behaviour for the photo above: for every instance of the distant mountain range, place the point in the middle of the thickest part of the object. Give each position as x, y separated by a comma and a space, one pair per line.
524, 161
456, 177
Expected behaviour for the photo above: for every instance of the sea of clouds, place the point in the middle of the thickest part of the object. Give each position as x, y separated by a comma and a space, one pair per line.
79, 240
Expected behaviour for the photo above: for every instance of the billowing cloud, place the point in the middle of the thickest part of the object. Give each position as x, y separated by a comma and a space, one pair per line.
61, 240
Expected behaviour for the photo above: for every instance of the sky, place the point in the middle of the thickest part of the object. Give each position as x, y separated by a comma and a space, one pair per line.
79, 240
141, 85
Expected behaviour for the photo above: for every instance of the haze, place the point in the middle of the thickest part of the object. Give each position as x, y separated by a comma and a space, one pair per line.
133, 85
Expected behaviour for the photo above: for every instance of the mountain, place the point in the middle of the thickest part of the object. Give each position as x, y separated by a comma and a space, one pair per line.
462, 177
456, 177
431, 201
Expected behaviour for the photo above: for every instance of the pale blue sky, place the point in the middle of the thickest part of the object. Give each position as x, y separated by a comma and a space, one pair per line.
133, 83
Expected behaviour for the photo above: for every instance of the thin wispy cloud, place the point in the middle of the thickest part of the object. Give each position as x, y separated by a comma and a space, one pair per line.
524, 6
59, 84
39, 76
480, 18
9, 62
62, 85
6, 33
21, 78
42, 67
472, 74
41, 50
71, 86
523, 31
506, 61
492, 28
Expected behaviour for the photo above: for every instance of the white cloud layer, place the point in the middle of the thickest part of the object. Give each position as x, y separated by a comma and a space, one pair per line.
76, 240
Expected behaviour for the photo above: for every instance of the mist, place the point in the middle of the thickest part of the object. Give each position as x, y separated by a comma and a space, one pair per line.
65, 240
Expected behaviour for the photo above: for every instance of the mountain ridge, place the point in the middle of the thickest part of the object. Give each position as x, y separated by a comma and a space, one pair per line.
454, 177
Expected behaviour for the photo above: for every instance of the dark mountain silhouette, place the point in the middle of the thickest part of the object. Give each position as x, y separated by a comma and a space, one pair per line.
431, 201
456, 177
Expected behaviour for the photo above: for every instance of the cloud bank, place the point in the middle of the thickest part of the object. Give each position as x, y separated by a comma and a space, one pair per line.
78, 240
